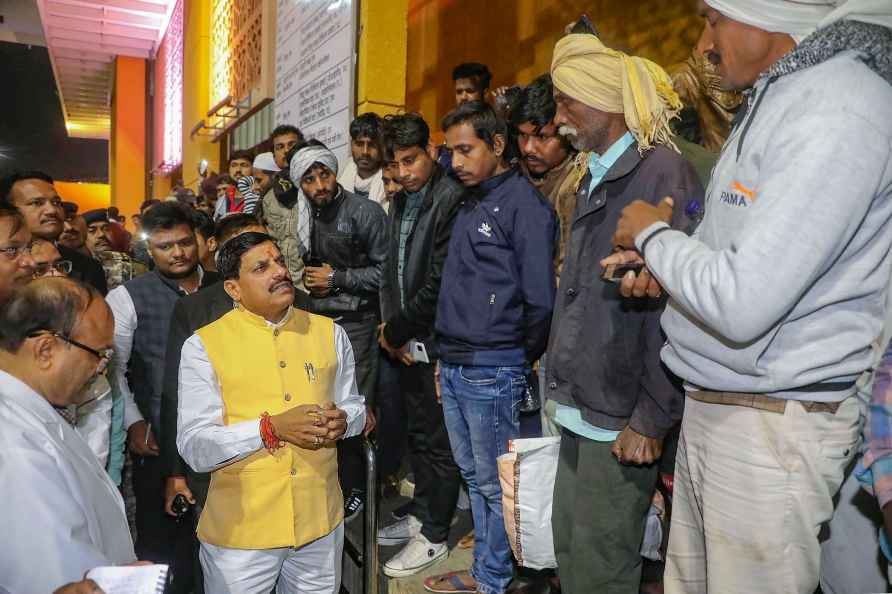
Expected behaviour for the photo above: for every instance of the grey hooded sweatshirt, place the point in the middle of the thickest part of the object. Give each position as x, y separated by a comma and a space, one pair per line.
782, 288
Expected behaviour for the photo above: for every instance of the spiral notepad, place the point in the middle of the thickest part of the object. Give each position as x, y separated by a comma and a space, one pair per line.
138, 579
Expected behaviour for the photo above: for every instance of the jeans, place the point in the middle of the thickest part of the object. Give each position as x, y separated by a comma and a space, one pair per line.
480, 406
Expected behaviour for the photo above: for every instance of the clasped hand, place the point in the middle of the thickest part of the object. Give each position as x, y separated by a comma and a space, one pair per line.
310, 426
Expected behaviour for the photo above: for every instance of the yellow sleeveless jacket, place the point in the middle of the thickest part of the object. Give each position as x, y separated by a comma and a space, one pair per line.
291, 497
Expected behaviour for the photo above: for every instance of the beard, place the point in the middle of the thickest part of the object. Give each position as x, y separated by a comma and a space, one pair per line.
181, 275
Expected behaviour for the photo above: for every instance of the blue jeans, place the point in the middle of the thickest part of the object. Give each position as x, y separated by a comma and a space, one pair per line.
480, 405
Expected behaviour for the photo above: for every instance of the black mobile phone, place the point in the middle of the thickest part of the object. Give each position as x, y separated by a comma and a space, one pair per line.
584, 25
313, 262
614, 273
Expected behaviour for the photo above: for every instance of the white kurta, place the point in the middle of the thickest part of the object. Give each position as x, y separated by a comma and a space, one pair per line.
60, 513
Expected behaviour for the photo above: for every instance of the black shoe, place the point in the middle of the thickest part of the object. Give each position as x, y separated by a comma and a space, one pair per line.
402, 511
353, 504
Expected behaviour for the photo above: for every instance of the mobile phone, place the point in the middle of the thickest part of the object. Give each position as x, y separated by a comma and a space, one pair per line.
419, 351
614, 273
584, 25
313, 262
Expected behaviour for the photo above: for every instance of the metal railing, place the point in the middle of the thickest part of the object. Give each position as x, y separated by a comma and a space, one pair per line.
370, 528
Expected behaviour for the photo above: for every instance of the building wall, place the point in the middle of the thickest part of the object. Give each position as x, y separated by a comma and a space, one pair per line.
88, 196
515, 38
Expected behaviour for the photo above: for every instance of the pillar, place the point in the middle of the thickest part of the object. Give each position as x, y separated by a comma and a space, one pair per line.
127, 146
381, 68
196, 89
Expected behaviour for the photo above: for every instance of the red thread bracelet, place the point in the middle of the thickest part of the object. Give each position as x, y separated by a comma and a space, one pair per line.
268, 433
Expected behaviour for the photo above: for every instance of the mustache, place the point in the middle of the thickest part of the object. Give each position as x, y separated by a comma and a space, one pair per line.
568, 131
285, 282
50, 218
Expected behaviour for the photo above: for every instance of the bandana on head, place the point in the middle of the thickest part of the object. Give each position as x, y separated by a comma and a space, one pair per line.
301, 162
614, 82
801, 18
304, 159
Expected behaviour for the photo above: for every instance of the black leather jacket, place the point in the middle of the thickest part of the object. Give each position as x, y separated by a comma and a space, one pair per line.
426, 249
350, 234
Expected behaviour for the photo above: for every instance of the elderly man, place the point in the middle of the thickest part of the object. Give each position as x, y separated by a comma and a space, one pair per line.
74, 233
64, 513
271, 389
776, 300
16, 263
348, 247
606, 388
264, 172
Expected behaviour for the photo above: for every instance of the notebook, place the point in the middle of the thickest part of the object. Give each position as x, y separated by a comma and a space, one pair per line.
133, 579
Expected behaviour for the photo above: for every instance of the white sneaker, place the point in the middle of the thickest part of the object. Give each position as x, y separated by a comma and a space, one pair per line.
416, 556
400, 531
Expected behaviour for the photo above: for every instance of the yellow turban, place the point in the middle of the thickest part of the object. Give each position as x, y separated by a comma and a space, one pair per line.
613, 82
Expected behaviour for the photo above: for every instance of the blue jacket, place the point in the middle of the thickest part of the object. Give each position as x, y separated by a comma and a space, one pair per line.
498, 282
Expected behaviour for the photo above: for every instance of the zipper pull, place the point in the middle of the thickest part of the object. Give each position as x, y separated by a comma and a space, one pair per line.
492, 299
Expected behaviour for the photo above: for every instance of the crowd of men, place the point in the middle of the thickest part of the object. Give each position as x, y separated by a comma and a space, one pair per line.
218, 368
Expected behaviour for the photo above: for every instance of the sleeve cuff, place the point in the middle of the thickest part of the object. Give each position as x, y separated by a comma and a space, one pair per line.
340, 279
131, 414
648, 233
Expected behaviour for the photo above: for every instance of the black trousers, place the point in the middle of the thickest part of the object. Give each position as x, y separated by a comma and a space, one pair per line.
437, 477
390, 435
159, 537
351, 461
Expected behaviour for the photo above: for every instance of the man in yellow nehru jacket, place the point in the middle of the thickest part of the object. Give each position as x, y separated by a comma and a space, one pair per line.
266, 391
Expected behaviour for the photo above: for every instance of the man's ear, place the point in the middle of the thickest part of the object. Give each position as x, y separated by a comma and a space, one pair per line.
232, 289
43, 350
498, 145
212, 244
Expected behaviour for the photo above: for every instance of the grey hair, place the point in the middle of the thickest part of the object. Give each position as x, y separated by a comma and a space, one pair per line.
43, 305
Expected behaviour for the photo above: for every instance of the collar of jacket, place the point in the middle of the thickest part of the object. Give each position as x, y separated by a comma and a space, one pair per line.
175, 286
329, 211
486, 187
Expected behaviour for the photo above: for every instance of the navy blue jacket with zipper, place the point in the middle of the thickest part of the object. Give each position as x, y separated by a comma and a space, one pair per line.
498, 285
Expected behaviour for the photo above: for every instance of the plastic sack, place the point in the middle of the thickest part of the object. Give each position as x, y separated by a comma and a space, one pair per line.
527, 474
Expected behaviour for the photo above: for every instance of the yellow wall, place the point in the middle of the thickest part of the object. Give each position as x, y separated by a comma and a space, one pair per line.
515, 38
86, 196
381, 70
127, 159
196, 102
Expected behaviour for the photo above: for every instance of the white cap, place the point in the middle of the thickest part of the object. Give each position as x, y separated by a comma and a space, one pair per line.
265, 162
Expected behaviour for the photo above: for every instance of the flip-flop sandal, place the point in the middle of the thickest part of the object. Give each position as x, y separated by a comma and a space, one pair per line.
466, 541
449, 583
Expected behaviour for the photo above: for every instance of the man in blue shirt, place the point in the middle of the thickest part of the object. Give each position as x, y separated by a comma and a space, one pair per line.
493, 317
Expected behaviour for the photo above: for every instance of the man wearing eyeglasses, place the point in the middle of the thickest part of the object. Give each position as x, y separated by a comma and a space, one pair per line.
33, 193
64, 512
47, 260
143, 308
16, 263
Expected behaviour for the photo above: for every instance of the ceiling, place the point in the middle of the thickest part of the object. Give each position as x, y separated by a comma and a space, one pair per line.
83, 38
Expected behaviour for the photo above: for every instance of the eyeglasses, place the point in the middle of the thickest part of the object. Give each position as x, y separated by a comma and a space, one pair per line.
15, 252
62, 267
104, 356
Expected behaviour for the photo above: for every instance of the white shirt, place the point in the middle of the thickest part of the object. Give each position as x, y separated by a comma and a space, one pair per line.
61, 514
206, 444
93, 418
350, 181
121, 304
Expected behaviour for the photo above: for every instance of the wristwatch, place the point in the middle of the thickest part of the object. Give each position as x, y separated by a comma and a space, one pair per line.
331, 280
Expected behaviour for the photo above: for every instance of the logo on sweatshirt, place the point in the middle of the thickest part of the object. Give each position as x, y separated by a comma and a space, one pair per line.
738, 195
485, 229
